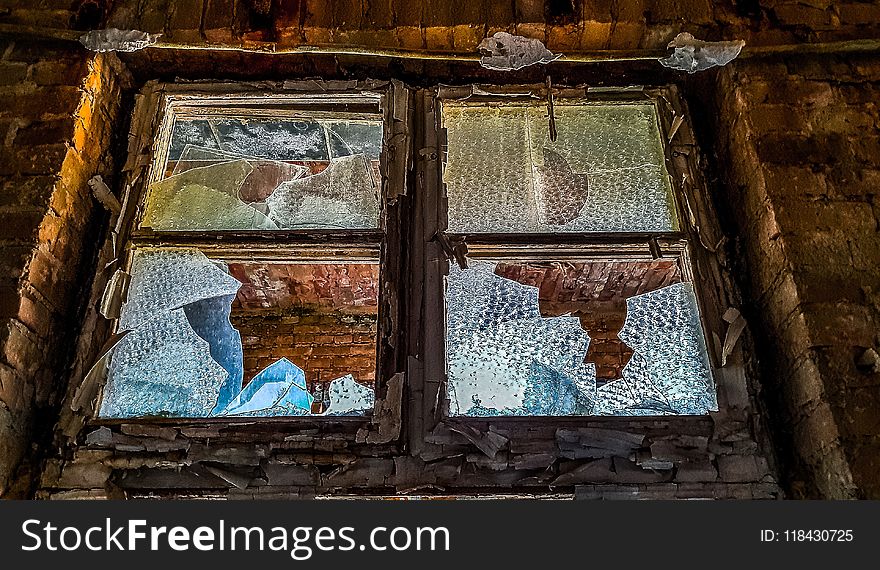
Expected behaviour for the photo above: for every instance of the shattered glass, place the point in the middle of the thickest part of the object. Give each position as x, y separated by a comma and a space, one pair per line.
505, 358
166, 279
348, 397
162, 368
205, 198
344, 195
605, 172
268, 174
279, 390
184, 358
669, 372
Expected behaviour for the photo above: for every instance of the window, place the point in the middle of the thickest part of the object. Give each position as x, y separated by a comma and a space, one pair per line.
271, 256
576, 297
255, 269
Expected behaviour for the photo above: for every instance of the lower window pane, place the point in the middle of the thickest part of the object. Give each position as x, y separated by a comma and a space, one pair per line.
561, 339
214, 339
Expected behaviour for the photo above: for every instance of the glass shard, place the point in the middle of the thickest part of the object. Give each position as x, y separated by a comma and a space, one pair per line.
264, 177
279, 390
504, 174
163, 368
203, 198
343, 195
166, 279
347, 397
209, 318
504, 358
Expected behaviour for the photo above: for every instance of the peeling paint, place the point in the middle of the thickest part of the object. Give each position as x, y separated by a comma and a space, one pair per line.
114, 39
694, 55
506, 52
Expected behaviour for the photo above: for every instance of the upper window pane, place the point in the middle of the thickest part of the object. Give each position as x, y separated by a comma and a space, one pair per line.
604, 172
258, 173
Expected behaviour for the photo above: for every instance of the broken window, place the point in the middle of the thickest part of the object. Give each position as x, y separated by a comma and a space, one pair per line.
235, 307
613, 326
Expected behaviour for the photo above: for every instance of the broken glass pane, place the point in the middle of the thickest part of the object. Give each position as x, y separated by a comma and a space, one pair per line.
165, 279
279, 390
504, 358
347, 397
518, 334
210, 339
604, 172
162, 368
344, 195
669, 371
209, 318
204, 198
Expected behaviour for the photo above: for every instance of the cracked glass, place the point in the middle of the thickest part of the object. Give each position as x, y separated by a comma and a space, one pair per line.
224, 173
605, 172
589, 338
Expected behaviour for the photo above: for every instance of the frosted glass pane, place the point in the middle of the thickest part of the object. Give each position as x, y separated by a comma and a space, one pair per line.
163, 368
344, 195
504, 357
165, 279
604, 173
204, 198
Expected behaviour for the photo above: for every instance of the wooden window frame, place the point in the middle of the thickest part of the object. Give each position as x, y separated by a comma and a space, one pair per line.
157, 107
693, 247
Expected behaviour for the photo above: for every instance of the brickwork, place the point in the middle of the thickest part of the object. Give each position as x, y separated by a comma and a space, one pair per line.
807, 218
57, 111
325, 345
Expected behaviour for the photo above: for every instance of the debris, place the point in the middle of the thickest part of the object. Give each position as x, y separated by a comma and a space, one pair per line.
104, 195
869, 361
737, 325
694, 55
347, 397
114, 39
506, 52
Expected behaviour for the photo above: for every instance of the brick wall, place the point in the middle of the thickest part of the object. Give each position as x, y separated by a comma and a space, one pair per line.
57, 111
325, 345
800, 139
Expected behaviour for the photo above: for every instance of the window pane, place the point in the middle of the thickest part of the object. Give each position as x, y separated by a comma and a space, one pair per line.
263, 174
556, 339
214, 339
604, 173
